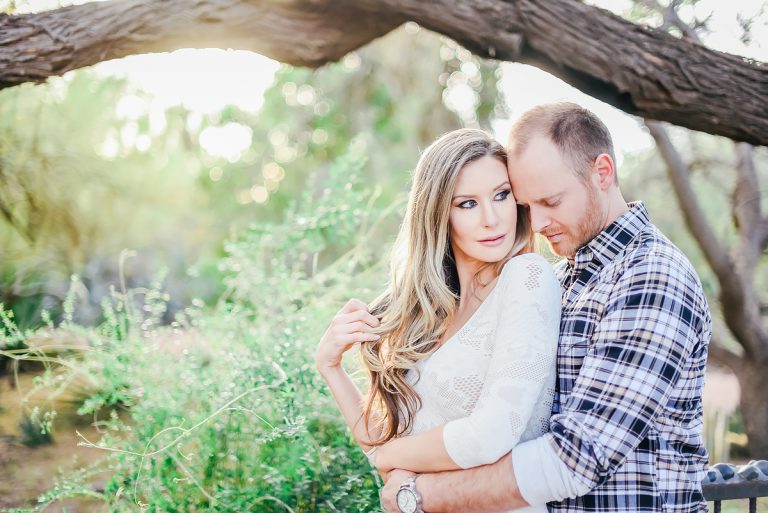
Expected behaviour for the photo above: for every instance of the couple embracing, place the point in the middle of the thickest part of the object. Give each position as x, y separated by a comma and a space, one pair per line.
498, 382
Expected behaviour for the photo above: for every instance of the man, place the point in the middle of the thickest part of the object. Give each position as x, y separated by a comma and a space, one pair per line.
625, 431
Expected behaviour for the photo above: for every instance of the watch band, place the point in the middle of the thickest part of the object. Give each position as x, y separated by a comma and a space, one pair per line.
409, 487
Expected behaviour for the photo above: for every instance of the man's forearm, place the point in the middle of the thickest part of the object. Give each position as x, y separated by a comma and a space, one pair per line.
490, 488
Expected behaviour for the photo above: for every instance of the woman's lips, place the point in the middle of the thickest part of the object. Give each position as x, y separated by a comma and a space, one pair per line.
493, 241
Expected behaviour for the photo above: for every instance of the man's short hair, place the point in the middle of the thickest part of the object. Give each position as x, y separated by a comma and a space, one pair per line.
576, 131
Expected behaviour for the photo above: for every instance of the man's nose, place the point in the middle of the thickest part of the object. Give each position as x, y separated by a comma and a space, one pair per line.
539, 219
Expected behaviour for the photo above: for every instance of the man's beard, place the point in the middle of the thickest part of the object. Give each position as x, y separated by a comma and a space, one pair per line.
587, 228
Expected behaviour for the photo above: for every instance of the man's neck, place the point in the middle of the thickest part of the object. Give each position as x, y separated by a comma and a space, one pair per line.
617, 206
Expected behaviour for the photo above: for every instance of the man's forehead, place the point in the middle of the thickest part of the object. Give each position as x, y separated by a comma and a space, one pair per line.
538, 187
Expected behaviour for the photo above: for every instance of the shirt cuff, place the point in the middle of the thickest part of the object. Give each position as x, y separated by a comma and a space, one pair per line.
540, 474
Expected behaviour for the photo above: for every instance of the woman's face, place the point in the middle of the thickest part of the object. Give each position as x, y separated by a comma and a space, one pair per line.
483, 213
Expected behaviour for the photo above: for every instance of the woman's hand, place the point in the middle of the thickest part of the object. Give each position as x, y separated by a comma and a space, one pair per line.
353, 324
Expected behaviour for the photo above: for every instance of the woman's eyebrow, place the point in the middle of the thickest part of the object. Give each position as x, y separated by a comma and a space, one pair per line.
502, 184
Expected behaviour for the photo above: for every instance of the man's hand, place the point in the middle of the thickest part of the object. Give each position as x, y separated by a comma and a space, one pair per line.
389, 492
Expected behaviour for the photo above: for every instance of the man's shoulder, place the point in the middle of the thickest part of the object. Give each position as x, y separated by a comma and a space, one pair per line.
652, 252
654, 267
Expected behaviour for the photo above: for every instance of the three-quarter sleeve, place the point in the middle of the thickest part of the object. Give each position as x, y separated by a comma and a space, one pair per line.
522, 368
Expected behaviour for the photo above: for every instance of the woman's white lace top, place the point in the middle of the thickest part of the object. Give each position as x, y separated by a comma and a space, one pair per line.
492, 382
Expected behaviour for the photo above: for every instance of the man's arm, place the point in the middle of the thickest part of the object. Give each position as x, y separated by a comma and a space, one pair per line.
487, 489
648, 335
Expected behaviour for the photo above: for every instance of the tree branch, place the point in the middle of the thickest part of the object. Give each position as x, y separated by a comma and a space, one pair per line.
745, 203
643, 72
714, 252
305, 33
671, 18
737, 293
745, 200
725, 357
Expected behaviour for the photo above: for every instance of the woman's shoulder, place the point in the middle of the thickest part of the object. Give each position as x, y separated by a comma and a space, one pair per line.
527, 262
530, 269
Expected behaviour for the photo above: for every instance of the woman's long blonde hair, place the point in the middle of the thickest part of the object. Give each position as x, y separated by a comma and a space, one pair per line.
420, 301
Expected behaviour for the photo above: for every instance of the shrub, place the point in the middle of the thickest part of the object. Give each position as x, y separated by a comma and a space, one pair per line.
223, 410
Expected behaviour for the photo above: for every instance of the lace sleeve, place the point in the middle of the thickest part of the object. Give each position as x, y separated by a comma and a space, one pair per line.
522, 365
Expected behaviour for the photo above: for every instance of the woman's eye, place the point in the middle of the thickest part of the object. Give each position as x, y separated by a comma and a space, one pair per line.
502, 195
467, 204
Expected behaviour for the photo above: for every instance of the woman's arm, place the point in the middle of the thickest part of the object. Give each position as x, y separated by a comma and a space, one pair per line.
350, 402
423, 452
521, 368
353, 324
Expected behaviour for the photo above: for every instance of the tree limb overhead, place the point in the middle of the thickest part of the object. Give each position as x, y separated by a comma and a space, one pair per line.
641, 71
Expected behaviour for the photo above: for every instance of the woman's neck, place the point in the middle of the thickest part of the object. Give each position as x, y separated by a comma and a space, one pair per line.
471, 285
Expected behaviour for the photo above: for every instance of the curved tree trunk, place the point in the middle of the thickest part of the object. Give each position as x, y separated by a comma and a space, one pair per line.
641, 71
754, 412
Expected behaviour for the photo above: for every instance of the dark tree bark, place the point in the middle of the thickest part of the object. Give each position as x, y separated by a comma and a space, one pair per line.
754, 410
641, 71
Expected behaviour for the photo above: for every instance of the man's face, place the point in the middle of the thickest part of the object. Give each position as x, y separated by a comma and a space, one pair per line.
563, 207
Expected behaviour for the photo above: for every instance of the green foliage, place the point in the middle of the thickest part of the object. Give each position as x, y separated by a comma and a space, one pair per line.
90, 166
214, 406
223, 410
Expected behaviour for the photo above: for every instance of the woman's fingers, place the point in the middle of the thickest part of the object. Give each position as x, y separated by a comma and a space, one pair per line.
353, 305
359, 316
348, 332
352, 325
354, 338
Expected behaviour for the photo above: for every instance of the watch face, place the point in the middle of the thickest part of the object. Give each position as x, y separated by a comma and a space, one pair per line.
406, 501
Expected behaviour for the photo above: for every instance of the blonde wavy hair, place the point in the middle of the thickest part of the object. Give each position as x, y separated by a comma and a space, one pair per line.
420, 301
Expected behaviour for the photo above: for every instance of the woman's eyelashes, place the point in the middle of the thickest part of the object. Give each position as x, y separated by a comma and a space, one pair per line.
499, 196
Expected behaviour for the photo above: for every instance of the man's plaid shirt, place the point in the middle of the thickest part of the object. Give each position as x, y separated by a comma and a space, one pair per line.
627, 416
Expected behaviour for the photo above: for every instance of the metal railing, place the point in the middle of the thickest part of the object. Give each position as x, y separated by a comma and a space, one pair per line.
725, 482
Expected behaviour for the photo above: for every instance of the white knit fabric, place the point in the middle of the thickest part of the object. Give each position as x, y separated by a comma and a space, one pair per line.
492, 382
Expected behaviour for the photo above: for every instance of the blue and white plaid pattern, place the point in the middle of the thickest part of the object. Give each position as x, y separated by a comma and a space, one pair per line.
627, 417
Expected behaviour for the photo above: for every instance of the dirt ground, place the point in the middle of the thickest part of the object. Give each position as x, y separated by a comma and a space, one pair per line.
26, 472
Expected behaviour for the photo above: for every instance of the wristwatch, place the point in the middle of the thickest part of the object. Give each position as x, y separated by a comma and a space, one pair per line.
408, 498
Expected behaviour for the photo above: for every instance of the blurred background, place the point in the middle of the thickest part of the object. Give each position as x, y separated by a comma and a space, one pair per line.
177, 229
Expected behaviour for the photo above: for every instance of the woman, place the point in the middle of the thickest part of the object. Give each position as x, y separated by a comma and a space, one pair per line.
461, 346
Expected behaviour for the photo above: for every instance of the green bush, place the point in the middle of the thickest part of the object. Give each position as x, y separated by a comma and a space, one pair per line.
223, 410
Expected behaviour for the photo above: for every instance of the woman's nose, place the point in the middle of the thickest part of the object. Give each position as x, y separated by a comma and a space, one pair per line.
490, 216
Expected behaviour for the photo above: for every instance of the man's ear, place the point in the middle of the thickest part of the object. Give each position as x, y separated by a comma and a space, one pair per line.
605, 171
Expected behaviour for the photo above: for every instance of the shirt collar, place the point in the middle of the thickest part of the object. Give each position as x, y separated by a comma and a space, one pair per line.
615, 237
